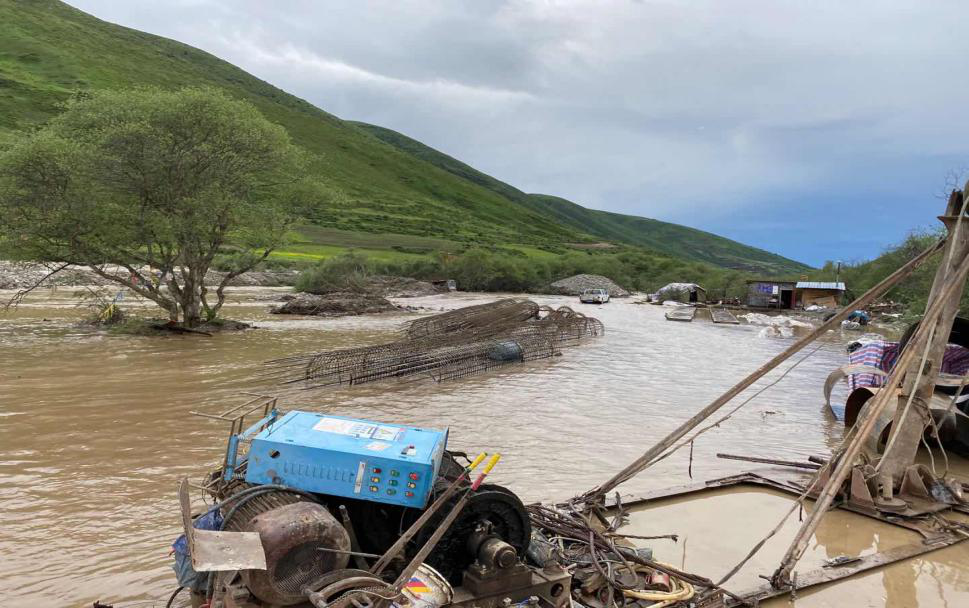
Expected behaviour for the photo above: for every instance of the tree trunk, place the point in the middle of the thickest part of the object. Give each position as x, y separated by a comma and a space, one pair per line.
191, 299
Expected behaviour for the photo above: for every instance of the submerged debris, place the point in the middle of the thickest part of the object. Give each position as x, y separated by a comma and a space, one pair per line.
774, 326
607, 571
487, 317
449, 345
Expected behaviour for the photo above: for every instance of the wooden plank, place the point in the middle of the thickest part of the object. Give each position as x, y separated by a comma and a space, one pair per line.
722, 315
681, 313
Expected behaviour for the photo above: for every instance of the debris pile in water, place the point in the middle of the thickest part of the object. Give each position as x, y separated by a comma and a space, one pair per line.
449, 345
337, 304
607, 571
774, 326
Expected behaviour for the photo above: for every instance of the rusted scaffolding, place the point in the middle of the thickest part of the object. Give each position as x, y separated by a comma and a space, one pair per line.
449, 345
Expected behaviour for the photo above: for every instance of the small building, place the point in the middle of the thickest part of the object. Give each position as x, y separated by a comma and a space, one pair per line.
819, 293
686, 292
770, 294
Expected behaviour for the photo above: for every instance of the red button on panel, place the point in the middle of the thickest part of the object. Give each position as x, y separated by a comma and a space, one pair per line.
408, 494
413, 476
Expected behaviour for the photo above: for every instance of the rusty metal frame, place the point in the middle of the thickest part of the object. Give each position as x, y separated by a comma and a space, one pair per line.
238, 433
817, 576
446, 346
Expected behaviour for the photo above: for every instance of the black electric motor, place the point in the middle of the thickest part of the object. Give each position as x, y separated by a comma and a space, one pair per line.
302, 542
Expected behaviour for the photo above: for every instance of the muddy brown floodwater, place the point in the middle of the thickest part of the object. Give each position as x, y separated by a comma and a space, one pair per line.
95, 432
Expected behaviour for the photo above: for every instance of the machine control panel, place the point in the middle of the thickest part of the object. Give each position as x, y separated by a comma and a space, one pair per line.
339, 456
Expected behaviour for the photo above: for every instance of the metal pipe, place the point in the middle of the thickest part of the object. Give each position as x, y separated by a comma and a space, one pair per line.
781, 463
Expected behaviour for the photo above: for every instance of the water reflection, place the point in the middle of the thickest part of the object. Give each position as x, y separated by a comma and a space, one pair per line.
95, 431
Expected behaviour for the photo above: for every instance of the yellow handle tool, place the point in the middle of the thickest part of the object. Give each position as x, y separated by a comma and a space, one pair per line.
474, 463
491, 464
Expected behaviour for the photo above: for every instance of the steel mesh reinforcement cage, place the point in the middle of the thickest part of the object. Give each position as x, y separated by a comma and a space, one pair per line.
450, 345
505, 312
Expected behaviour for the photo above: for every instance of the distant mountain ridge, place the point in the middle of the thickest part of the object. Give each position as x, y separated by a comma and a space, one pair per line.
374, 180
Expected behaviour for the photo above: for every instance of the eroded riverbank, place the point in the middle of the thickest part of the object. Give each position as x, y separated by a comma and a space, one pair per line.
95, 431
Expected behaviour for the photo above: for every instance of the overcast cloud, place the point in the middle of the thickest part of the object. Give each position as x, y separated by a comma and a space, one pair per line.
818, 130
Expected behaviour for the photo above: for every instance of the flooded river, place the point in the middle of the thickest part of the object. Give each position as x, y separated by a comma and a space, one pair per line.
95, 431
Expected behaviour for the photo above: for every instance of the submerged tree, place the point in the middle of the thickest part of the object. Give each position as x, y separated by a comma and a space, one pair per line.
145, 187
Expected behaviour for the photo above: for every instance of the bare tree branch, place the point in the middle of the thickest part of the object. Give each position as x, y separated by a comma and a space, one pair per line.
18, 297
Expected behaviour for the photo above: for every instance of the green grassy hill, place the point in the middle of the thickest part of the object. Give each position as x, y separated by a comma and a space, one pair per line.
674, 239
374, 181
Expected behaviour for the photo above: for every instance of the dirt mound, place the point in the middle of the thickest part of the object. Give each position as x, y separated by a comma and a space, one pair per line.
401, 287
339, 304
575, 285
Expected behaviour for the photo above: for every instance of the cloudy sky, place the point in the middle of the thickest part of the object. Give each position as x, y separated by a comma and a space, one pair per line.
815, 129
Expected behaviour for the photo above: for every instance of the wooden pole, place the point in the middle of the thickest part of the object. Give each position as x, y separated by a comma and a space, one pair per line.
654, 452
862, 429
912, 412
774, 461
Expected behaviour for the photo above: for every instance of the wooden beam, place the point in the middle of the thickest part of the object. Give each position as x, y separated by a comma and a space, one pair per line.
827, 574
912, 411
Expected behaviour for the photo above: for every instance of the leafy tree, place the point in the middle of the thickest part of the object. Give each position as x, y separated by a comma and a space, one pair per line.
144, 187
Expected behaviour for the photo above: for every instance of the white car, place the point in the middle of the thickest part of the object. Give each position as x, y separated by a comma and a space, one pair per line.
594, 296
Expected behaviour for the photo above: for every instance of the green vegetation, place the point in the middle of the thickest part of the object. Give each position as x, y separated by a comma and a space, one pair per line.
395, 199
345, 272
912, 293
146, 187
479, 269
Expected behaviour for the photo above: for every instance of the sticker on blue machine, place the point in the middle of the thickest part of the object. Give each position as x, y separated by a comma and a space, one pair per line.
354, 428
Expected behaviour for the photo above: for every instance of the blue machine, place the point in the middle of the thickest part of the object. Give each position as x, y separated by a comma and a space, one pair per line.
339, 456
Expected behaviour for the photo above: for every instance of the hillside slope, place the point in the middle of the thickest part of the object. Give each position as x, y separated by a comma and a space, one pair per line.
677, 240
370, 182
48, 50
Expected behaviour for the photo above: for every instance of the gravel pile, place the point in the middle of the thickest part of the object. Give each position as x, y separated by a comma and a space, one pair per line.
21, 275
258, 278
573, 286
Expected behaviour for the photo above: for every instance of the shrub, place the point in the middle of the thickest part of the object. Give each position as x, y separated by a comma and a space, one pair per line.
345, 272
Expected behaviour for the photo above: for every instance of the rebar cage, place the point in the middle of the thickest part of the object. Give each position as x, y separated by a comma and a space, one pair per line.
449, 345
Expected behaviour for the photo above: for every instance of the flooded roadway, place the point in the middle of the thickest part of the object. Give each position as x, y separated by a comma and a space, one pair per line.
95, 431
